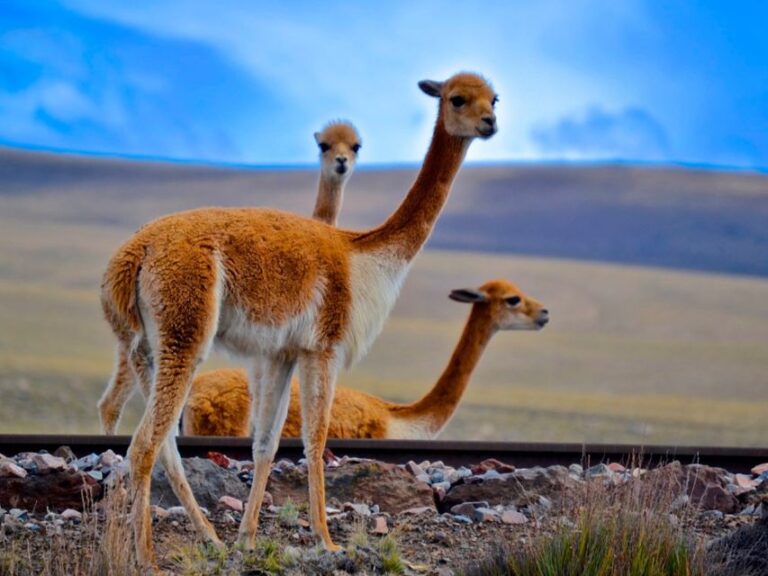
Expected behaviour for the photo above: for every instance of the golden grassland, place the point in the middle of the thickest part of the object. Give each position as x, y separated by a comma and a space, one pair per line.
632, 354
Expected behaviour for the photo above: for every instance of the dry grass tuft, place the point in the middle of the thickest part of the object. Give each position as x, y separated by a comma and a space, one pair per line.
635, 529
101, 546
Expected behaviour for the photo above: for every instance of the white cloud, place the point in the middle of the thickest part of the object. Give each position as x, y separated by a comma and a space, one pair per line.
363, 61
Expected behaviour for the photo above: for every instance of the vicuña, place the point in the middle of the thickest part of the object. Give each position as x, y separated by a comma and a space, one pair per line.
220, 404
280, 289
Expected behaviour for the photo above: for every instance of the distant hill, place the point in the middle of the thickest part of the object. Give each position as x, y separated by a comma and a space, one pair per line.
633, 354
671, 217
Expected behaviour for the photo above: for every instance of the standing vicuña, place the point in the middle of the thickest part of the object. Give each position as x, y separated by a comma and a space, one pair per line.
219, 402
281, 289
339, 144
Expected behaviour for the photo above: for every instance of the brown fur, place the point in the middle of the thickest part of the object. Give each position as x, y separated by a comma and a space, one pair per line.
284, 290
219, 402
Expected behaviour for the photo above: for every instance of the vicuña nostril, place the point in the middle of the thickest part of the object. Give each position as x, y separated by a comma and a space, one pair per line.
341, 159
490, 120
545, 312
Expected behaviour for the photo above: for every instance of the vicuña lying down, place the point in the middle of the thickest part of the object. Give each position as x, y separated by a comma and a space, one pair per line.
220, 403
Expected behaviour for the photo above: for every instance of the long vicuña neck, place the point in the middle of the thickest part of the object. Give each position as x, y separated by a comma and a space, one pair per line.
330, 195
408, 228
438, 405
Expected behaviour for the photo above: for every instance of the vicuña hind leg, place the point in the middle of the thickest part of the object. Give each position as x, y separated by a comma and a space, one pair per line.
117, 393
271, 392
318, 380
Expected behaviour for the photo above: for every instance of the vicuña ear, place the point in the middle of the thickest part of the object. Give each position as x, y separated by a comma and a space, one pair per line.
431, 87
467, 295
317, 137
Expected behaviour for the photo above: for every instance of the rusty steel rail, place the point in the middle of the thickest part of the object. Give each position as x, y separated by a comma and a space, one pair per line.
520, 454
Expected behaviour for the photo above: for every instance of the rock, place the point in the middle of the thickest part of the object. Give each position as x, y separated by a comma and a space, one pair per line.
468, 508
208, 481
712, 514
393, 488
66, 453
517, 488
359, 509
706, 486
418, 510
760, 469
451, 475
424, 478
97, 475
598, 471
576, 469
176, 512
436, 477
414, 468
485, 515
745, 481
513, 517
57, 490
159, 512
380, 525
87, 462
219, 459
492, 464
109, 458
460, 518
616, 467
10, 469
230, 503
71, 514
47, 463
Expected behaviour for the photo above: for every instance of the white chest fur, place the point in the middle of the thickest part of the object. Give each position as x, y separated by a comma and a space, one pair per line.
375, 280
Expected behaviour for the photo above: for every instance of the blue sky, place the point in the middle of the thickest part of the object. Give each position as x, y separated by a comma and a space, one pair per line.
248, 82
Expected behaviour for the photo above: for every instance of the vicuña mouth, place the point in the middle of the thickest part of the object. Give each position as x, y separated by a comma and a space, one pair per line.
486, 132
341, 169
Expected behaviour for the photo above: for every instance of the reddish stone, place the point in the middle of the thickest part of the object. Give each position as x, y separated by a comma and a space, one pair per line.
492, 464
230, 503
746, 481
380, 525
513, 517
760, 469
219, 459
616, 467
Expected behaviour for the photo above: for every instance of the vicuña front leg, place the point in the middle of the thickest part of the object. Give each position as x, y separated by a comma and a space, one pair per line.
318, 380
271, 391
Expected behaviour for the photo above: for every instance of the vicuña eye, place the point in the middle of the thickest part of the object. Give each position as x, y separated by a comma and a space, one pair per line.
458, 101
495, 101
356, 148
324, 147
513, 300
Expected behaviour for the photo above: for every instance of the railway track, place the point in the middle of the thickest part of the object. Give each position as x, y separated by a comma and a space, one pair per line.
521, 454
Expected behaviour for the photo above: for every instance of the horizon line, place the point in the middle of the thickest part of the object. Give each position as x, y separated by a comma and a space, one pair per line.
399, 165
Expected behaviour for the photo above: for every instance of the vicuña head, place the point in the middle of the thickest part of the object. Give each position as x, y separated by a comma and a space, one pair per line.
467, 104
508, 307
339, 144
286, 291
